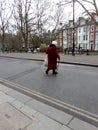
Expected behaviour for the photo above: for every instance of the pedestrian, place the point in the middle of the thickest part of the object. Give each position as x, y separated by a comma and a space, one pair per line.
52, 55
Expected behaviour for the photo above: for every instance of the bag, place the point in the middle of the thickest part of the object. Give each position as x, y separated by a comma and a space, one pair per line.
46, 62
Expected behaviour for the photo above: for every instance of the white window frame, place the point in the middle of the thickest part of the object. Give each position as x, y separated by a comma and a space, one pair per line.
91, 37
79, 30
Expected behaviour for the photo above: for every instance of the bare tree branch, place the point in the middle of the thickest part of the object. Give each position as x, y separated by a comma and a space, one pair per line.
91, 13
5, 15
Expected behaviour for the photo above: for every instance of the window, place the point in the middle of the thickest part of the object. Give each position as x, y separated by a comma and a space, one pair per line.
85, 29
92, 27
97, 29
84, 37
79, 30
97, 37
92, 37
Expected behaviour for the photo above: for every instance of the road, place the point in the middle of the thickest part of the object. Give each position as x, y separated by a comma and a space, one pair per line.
75, 85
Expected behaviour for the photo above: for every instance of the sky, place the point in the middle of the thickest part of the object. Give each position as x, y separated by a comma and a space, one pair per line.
68, 10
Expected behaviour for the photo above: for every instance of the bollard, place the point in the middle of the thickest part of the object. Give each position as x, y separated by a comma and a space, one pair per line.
87, 52
65, 51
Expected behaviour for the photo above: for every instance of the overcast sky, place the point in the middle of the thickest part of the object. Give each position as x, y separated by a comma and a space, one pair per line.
68, 10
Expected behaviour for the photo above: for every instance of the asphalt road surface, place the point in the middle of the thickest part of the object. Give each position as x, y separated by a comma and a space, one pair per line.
75, 85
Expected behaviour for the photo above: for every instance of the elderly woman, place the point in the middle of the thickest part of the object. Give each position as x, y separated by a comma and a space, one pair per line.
52, 58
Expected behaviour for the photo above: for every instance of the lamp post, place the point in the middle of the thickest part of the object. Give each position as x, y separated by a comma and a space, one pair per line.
73, 49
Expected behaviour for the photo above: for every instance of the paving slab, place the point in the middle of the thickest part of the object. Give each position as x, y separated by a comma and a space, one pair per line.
5, 98
50, 111
12, 119
19, 96
18, 104
65, 128
28, 111
78, 124
5, 89
35, 115
46, 123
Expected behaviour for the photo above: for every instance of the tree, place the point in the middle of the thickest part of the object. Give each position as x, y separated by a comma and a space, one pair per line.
5, 15
93, 12
21, 17
41, 15
39, 24
30, 18
90, 8
56, 19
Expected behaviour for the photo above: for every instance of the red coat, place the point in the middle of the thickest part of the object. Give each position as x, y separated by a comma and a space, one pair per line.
52, 57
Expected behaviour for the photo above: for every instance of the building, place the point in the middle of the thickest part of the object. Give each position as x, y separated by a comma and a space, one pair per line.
86, 35
83, 34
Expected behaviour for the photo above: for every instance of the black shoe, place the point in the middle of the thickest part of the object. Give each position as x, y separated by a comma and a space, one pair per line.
55, 73
46, 71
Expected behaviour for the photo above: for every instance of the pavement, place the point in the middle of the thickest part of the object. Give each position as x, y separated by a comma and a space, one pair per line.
23, 109
87, 60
